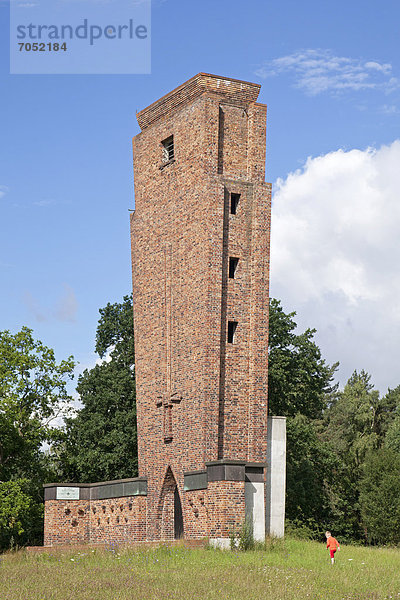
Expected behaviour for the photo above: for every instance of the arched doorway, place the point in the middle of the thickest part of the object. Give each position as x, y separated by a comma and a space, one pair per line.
178, 516
169, 513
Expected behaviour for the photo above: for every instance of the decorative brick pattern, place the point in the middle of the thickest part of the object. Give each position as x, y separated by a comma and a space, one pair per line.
119, 520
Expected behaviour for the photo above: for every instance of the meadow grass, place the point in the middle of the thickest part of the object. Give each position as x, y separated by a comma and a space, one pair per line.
290, 569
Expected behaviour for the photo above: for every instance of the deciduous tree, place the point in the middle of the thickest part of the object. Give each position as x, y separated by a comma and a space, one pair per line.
101, 441
298, 377
380, 496
33, 392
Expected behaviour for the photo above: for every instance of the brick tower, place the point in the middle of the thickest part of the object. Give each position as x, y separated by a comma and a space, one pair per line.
200, 251
200, 257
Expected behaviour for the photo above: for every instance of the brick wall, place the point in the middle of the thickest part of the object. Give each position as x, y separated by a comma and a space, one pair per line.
200, 398
182, 238
66, 522
226, 507
116, 520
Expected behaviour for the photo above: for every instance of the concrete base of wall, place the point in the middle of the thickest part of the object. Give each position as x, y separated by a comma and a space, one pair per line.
221, 543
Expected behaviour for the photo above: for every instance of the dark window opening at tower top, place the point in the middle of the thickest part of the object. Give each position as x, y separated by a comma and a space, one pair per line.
232, 325
168, 148
233, 263
234, 203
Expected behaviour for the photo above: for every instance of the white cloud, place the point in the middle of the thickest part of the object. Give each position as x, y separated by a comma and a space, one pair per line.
383, 68
317, 70
44, 203
336, 254
389, 109
3, 191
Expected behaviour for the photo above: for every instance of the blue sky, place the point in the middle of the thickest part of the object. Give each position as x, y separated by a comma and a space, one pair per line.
330, 75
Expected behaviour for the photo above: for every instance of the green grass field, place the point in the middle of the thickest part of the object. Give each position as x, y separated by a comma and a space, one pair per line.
290, 569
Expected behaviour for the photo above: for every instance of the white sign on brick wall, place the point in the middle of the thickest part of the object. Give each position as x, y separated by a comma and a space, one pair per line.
67, 493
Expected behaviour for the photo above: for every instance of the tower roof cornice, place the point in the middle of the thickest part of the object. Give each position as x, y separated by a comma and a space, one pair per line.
232, 90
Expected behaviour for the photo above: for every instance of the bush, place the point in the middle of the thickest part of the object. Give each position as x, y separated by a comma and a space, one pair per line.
244, 538
299, 530
19, 514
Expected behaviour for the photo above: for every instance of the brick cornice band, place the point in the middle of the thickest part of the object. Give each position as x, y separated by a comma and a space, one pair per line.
235, 90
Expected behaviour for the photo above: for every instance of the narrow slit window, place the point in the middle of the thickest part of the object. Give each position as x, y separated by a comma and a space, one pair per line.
232, 325
234, 203
168, 148
233, 263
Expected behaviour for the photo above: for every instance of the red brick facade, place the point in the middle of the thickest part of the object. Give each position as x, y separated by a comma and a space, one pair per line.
200, 257
116, 520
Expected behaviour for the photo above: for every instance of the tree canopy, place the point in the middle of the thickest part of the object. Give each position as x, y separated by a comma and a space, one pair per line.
298, 377
380, 496
100, 443
33, 392
343, 446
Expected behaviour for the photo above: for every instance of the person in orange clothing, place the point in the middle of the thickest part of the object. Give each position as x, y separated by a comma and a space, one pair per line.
332, 544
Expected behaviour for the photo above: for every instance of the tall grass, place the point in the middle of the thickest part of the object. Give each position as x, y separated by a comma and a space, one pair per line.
292, 569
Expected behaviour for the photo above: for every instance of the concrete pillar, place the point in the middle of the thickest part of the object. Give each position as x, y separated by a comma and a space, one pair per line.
255, 510
276, 477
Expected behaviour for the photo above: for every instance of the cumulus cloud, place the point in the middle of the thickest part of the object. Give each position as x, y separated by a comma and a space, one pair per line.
318, 70
336, 254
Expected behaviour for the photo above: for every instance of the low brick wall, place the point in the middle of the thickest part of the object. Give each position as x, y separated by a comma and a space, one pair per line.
213, 506
66, 522
105, 512
116, 520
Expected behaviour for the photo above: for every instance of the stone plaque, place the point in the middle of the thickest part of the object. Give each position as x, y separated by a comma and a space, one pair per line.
67, 493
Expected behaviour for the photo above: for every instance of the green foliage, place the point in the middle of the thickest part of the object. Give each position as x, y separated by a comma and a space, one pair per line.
299, 530
392, 438
329, 433
19, 513
115, 332
243, 539
14, 505
380, 496
100, 443
298, 378
309, 459
357, 421
355, 425
246, 537
32, 394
